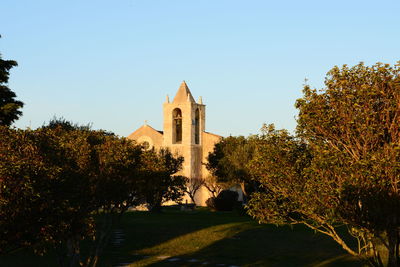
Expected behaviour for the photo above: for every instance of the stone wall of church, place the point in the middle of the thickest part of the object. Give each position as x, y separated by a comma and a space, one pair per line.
194, 144
147, 134
209, 140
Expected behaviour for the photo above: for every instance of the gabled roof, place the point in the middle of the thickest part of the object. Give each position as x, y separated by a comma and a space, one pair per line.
183, 94
216, 135
144, 130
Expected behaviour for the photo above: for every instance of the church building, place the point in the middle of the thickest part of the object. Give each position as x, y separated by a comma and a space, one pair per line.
183, 133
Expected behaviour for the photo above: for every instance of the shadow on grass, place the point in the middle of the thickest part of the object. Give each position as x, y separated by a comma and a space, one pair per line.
176, 238
141, 230
269, 246
192, 239
150, 233
150, 229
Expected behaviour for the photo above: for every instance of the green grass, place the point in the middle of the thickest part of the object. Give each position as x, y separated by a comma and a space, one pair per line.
213, 237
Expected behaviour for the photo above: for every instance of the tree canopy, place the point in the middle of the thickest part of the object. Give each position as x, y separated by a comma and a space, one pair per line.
228, 162
55, 179
10, 108
342, 168
160, 182
64, 183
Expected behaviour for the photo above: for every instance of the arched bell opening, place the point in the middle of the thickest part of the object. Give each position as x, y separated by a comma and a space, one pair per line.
197, 127
177, 126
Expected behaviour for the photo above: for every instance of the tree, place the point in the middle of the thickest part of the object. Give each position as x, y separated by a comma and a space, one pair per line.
213, 186
45, 193
54, 180
229, 162
193, 186
116, 182
9, 106
159, 180
343, 167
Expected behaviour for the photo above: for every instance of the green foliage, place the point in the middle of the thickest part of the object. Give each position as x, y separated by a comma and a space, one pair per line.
55, 179
226, 200
9, 106
39, 179
159, 182
229, 162
279, 165
342, 168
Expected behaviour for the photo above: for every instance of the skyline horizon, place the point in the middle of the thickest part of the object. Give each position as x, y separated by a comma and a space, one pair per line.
112, 64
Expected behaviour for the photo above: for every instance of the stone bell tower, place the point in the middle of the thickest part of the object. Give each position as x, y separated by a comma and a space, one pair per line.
184, 123
184, 133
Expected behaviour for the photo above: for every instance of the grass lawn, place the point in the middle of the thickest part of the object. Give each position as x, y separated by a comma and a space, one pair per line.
175, 238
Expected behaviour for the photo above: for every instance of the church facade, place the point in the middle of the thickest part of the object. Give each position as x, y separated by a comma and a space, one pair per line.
184, 134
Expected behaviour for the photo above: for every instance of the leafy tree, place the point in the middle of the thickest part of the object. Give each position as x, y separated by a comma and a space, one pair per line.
115, 186
279, 165
343, 168
159, 180
41, 184
9, 106
53, 182
229, 162
226, 200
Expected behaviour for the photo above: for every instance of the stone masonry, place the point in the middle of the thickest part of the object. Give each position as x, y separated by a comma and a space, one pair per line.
184, 133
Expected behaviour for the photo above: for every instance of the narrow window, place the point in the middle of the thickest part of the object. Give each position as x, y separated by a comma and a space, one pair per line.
177, 126
145, 145
197, 127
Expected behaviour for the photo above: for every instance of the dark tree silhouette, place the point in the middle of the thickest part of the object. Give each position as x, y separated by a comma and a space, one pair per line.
9, 106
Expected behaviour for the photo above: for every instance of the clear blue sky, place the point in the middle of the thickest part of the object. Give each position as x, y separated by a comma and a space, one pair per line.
111, 63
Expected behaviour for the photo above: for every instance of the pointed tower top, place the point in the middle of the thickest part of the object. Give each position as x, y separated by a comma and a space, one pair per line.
183, 94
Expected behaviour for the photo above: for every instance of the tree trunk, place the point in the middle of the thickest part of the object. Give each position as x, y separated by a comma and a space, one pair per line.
242, 186
192, 198
393, 241
73, 252
102, 237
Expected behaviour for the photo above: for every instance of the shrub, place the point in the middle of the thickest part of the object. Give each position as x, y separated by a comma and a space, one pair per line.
225, 201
